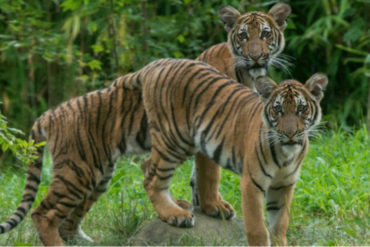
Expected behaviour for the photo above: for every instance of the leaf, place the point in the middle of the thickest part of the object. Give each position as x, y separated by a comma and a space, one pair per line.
94, 64
351, 50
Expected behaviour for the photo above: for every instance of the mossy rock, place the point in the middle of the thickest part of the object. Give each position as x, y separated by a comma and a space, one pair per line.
207, 231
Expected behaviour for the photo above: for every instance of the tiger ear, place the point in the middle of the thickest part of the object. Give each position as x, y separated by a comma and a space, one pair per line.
280, 12
264, 86
316, 84
228, 15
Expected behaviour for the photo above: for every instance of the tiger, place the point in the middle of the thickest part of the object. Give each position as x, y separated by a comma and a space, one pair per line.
255, 42
191, 107
85, 136
81, 148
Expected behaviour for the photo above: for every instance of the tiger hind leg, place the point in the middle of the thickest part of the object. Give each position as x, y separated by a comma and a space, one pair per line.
156, 183
71, 228
55, 208
205, 180
145, 165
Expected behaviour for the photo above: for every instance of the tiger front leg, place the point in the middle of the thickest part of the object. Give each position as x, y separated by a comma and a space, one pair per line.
253, 211
205, 189
156, 184
278, 205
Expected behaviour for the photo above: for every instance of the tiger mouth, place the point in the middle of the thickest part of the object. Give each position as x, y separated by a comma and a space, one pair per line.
257, 66
292, 142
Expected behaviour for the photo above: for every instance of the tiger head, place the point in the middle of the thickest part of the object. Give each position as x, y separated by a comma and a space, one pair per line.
291, 109
255, 38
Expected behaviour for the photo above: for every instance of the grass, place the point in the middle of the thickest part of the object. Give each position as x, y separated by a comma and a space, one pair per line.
330, 205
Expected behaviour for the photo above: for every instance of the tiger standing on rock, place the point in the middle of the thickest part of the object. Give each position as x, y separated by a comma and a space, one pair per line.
192, 107
87, 134
255, 42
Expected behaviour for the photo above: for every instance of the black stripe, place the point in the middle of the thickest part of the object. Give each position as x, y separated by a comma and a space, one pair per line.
273, 208
32, 177
12, 222
299, 162
165, 169
44, 205
99, 106
273, 153
30, 187
260, 144
21, 216
282, 187
68, 205
218, 151
182, 138
271, 203
60, 216
288, 162
61, 195
163, 156
205, 54
171, 139
101, 190
70, 185
233, 108
257, 185
80, 146
28, 198
56, 140
198, 95
211, 103
164, 177
21, 209
142, 134
260, 164
2, 229
134, 114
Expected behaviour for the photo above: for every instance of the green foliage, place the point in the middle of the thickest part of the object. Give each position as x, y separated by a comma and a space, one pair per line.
334, 37
23, 150
53, 50
330, 204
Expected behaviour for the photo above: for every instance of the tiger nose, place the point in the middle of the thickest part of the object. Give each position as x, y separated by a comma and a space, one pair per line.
290, 133
255, 56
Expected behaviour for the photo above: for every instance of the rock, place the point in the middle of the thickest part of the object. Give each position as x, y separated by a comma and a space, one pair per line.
207, 231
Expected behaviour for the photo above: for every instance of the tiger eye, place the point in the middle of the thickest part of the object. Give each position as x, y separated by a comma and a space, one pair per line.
243, 35
301, 108
277, 108
265, 33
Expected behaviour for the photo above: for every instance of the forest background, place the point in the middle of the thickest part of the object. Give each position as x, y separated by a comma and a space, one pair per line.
53, 50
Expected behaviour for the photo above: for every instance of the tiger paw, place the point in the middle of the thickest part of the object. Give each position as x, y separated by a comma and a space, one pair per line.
184, 204
184, 218
73, 235
220, 209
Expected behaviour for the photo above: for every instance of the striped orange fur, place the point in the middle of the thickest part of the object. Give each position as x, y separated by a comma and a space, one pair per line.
85, 136
255, 42
192, 107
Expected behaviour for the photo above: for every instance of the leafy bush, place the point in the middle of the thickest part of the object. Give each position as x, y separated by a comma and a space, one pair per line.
21, 149
53, 50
